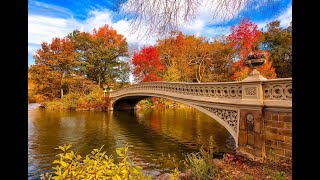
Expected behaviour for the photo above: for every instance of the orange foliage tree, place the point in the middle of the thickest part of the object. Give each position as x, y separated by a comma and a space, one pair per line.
194, 59
246, 38
73, 63
52, 63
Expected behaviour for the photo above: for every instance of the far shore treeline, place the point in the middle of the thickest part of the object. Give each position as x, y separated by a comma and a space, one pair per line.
69, 72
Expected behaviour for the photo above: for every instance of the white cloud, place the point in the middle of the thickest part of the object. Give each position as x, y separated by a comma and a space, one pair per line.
262, 25
44, 28
123, 27
286, 17
96, 19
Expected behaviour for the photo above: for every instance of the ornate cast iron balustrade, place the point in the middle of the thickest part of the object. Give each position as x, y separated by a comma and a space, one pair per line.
278, 89
228, 90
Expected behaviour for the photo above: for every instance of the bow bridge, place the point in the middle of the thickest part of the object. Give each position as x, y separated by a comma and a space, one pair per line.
257, 112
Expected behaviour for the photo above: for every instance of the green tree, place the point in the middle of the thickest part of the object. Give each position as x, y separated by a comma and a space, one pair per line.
278, 42
102, 54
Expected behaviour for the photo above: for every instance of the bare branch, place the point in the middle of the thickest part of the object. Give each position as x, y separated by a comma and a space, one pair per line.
162, 17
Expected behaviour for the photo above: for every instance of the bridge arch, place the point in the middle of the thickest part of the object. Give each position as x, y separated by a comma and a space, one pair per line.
225, 116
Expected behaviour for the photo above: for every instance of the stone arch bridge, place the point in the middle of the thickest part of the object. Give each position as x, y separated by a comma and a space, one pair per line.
257, 113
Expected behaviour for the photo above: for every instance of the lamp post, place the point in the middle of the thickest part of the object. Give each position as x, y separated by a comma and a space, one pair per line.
104, 90
107, 88
110, 86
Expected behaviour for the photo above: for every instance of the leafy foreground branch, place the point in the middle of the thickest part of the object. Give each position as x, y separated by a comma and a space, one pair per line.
195, 166
96, 165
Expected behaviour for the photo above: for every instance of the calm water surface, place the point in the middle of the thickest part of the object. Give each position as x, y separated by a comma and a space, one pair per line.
148, 133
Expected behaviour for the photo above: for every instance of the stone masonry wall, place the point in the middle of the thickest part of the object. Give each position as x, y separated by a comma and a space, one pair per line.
251, 132
266, 132
278, 133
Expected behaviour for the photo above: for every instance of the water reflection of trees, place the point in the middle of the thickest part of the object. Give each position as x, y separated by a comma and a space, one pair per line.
186, 125
149, 133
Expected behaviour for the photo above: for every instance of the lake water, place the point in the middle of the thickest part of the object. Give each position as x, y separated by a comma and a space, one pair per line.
149, 133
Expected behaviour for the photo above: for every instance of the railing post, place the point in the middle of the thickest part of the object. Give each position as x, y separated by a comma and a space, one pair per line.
251, 126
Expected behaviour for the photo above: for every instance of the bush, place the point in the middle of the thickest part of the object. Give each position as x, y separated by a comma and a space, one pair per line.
278, 175
40, 98
96, 165
31, 97
200, 165
94, 100
54, 105
75, 101
70, 101
145, 103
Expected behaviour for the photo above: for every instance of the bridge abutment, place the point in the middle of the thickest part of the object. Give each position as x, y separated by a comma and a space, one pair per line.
265, 133
278, 133
251, 134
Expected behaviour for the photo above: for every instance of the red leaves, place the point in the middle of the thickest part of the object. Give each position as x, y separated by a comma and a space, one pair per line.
147, 66
244, 37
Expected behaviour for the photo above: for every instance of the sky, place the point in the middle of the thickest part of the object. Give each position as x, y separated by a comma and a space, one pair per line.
57, 18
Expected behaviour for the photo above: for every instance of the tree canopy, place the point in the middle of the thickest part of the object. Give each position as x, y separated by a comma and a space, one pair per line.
147, 66
278, 42
72, 62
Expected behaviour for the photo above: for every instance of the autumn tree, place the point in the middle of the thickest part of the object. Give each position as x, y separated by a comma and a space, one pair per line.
246, 38
278, 42
70, 64
195, 59
147, 66
102, 54
53, 62
172, 55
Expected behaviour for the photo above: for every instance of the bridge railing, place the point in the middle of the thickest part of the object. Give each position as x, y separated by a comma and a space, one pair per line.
230, 90
268, 92
277, 92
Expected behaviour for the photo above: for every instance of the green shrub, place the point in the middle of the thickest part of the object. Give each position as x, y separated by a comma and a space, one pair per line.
200, 165
96, 165
70, 101
278, 175
54, 105
146, 103
75, 101
31, 97
94, 100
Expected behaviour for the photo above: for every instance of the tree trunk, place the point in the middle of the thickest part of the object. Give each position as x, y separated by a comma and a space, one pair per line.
61, 93
61, 90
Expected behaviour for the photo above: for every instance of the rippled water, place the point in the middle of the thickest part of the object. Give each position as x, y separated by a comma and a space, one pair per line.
149, 133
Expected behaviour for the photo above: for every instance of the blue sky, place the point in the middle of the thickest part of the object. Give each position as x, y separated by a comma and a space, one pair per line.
56, 18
